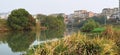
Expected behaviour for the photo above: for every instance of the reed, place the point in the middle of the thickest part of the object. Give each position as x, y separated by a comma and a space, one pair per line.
78, 44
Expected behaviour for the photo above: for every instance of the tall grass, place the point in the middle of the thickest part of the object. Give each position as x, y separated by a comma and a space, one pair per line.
77, 44
113, 34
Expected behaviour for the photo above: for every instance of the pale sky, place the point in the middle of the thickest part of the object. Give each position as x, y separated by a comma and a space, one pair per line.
57, 6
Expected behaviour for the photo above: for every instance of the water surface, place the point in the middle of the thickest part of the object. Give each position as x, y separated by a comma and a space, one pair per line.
17, 43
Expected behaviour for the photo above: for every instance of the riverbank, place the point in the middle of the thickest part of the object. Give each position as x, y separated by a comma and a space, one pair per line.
79, 44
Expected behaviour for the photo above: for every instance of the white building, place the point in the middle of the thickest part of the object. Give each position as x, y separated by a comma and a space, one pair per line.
80, 13
114, 16
83, 14
109, 11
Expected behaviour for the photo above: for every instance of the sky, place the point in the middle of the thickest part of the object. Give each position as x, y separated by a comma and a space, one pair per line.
57, 6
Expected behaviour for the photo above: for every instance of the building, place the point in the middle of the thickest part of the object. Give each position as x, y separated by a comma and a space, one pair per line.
91, 14
109, 11
115, 16
115, 10
97, 14
80, 13
83, 14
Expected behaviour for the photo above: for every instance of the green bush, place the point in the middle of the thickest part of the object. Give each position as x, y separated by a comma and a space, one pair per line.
98, 30
89, 26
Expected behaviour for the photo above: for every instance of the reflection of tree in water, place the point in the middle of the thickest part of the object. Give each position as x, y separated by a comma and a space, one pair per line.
20, 41
3, 37
52, 33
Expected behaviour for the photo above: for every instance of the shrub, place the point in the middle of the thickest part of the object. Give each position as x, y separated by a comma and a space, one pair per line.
89, 26
77, 44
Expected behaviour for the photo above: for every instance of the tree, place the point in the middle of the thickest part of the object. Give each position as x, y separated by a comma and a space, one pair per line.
100, 19
89, 25
20, 19
51, 22
41, 18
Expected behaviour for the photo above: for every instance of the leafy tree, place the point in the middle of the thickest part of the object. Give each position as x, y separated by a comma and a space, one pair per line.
20, 19
41, 18
51, 22
100, 19
89, 25
61, 21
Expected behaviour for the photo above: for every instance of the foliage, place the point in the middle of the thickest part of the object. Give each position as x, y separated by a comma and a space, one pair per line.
52, 22
2, 21
41, 18
113, 34
20, 19
99, 19
77, 44
90, 25
78, 22
3, 25
98, 30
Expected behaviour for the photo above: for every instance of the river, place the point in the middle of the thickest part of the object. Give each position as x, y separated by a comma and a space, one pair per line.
17, 43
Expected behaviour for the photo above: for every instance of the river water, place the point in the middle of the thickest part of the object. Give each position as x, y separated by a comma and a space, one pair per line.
17, 43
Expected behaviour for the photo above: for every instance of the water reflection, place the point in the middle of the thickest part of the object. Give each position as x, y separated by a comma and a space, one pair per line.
19, 42
51, 34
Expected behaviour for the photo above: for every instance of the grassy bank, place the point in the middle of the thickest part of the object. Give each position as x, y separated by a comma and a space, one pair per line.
78, 44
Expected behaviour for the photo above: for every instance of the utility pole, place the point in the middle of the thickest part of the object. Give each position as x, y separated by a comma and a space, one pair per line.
119, 10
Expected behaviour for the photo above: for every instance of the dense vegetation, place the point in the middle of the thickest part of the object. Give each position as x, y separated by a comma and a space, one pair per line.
3, 25
100, 19
51, 22
90, 25
107, 43
20, 19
